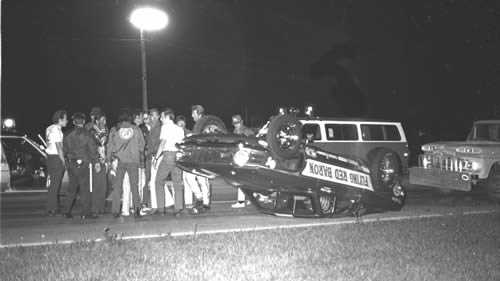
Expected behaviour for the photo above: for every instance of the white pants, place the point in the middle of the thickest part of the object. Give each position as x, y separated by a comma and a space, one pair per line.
127, 194
197, 185
169, 192
241, 195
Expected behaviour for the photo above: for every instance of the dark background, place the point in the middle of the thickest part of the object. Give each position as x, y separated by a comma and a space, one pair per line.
432, 64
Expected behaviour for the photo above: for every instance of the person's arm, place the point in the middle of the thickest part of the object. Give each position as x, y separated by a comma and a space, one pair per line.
110, 147
163, 142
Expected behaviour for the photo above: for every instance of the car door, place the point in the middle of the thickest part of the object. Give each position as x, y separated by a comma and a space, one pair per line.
26, 162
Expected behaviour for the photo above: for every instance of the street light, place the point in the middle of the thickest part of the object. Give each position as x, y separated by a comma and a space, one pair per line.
147, 19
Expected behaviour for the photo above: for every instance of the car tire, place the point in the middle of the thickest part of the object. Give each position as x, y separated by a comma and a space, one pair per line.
284, 136
493, 183
327, 204
210, 124
385, 169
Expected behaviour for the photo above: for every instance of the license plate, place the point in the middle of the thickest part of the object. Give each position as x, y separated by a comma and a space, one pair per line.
337, 174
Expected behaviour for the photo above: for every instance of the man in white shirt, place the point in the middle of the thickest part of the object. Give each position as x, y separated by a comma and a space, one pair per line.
170, 135
55, 159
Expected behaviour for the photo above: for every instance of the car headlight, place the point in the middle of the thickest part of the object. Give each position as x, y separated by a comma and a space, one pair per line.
475, 166
467, 149
241, 157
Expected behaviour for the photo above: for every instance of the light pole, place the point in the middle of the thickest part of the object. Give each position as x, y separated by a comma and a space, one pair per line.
147, 19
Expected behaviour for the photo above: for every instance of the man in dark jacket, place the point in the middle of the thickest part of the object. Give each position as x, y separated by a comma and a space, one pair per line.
126, 143
81, 153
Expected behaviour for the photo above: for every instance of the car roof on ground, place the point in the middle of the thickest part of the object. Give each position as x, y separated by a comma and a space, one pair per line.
344, 119
491, 121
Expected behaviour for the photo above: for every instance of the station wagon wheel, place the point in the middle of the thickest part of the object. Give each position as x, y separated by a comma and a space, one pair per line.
284, 136
493, 183
385, 170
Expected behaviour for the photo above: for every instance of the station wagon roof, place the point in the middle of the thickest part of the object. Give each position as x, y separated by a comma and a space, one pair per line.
487, 122
348, 119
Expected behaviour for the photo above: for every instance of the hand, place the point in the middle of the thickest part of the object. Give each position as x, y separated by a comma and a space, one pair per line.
97, 167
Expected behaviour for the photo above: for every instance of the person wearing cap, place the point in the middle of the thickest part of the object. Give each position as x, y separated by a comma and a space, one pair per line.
82, 156
55, 159
240, 129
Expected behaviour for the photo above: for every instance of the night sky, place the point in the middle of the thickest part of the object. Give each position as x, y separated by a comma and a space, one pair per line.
431, 64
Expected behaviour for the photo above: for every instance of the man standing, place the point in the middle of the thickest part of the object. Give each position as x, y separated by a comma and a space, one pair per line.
94, 111
55, 159
126, 144
152, 144
170, 136
240, 129
198, 184
81, 152
99, 180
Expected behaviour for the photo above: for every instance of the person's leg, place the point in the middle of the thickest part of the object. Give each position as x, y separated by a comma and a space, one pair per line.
161, 179
146, 196
205, 189
126, 195
117, 189
55, 170
188, 193
178, 188
72, 189
133, 175
99, 191
190, 180
83, 182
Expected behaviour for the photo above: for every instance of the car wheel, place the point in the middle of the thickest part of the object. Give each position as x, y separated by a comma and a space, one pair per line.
211, 124
327, 203
284, 136
493, 183
385, 170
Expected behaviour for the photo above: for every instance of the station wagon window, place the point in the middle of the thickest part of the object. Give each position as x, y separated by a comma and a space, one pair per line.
341, 132
311, 129
380, 133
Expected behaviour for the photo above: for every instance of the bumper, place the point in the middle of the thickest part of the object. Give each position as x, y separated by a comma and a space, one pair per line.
440, 178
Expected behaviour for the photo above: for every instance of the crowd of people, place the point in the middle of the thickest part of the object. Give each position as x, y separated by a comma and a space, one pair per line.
136, 156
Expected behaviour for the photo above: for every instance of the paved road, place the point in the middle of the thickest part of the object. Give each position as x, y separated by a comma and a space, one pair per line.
23, 220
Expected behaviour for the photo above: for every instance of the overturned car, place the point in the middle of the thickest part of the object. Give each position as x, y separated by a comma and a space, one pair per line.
281, 174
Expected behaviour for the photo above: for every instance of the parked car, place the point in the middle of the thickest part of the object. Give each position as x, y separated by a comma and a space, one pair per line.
463, 165
23, 164
284, 174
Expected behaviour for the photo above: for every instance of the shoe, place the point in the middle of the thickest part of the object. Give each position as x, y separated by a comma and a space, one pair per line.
206, 207
51, 213
179, 213
91, 216
68, 215
116, 215
238, 205
194, 211
137, 212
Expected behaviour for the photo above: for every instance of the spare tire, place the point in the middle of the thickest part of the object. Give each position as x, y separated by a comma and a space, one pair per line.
284, 136
209, 124
385, 169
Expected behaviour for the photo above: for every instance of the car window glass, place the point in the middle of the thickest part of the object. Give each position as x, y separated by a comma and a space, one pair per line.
311, 129
391, 133
341, 132
372, 132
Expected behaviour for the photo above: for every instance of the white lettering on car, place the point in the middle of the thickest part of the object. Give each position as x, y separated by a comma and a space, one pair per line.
337, 174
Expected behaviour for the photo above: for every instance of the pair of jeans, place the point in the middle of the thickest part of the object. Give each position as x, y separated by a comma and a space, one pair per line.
55, 169
99, 189
78, 183
146, 192
132, 169
167, 166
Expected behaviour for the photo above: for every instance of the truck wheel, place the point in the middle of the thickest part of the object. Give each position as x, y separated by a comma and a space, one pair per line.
385, 170
284, 136
493, 183
211, 124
